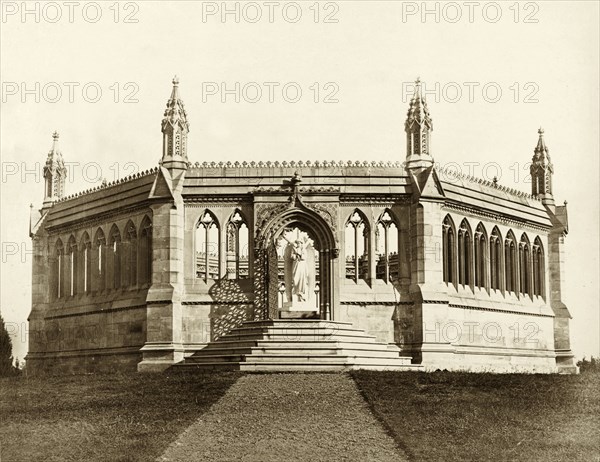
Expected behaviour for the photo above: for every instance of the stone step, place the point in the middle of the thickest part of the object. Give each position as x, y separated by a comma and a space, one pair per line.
319, 359
349, 343
338, 344
298, 314
291, 326
297, 344
273, 322
310, 355
287, 367
328, 347
299, 336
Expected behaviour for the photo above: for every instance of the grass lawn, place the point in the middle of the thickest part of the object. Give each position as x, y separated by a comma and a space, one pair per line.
447, 416
117, 417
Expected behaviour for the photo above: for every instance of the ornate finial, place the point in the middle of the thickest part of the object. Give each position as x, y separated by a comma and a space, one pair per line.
418, 126
541, 131
297, 177
565, 203
175, 81
55, 135
31, 205
495, 181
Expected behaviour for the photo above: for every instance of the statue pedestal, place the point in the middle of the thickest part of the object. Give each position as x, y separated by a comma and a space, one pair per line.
308, 305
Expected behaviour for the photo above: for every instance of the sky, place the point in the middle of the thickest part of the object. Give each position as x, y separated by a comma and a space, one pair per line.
301, 81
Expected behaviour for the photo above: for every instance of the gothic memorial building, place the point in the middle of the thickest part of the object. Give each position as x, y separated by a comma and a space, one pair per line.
304, 265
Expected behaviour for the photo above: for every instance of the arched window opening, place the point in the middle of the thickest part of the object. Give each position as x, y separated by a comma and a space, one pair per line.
237, 247
98, 272
114, 254
480, 256
130, 249
465, 252
57, 271
539, 270
86, 264
357, 245
510, 263
495, 259
386, 248
449, 250
207, 247
525, 265
145, 252
72, 266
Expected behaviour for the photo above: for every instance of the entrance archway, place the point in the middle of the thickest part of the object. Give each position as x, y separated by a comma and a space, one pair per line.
267, 273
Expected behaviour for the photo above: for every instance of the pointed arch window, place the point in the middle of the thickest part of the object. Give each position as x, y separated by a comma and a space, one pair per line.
86, 264
58, 271
525, 265
237, 247
481, 257
72, 263
449, 250
130, 249
539, 270
207, 247
465, 254
114, 258
495, 259
98, 271
510, 263
357, 245
386, 245
145, 252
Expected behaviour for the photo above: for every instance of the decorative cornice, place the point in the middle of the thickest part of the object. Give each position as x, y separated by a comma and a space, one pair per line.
299, 164
497, 310
219, 201
215, 302
101, 311
388, 200
375, 303
308, 190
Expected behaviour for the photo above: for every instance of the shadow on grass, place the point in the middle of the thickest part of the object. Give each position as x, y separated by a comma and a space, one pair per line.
447, 416
116, 417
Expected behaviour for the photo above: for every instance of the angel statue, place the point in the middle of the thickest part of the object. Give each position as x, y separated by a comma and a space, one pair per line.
298, 256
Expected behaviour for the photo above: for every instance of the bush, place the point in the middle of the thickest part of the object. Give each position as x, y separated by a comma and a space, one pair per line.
6, 359
589, 366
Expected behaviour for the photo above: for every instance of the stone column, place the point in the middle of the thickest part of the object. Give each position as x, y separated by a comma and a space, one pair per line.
163, 346
40, 300
555, 270
372, 250
427, 289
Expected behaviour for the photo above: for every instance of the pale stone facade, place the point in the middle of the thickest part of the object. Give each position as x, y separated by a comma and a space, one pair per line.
459, 273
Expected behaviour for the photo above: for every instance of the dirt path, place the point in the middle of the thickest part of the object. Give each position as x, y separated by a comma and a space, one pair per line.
287, 417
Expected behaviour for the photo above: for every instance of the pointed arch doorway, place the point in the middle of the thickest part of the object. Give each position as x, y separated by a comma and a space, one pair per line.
278, 280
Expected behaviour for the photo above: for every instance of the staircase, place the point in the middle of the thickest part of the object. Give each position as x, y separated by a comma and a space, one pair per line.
297, 345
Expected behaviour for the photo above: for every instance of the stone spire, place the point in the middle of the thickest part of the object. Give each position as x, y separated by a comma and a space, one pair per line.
418, 127
55, 174
541, 171
175, 128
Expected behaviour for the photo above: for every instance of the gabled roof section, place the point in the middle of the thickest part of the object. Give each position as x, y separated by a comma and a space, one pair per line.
468, 191
560, 218
351, 178
36, 218
162, 186
121, 194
